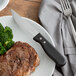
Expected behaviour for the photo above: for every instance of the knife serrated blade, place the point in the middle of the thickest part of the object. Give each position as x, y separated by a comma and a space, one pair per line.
21, 22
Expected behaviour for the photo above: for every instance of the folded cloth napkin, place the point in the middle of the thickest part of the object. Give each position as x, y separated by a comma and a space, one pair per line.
56, 24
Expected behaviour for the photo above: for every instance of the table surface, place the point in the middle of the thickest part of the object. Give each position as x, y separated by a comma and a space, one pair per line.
26, 8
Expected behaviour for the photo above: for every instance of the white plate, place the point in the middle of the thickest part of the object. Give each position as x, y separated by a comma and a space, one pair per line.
3, 4
47, 66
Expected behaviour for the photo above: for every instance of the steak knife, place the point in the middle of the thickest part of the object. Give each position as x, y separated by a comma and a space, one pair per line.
38, 37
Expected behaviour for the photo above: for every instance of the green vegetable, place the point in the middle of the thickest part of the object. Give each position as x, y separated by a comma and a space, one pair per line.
2, 49
1, 28
8, 30
8, 44
6, 37
3, 37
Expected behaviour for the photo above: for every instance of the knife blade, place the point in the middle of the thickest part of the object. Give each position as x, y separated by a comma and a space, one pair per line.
38, 37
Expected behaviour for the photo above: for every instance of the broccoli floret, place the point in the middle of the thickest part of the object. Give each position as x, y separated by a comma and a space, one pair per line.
8, 44
3, 37
8, 30
2, 49
1, 28
6, 37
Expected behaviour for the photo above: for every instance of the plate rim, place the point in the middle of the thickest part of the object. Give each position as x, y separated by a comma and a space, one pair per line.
4, 5
42, 29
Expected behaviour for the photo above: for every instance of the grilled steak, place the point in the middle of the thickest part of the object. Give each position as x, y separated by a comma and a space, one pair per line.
20, 60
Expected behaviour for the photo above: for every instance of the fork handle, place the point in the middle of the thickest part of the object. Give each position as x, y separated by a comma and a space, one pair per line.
73, 32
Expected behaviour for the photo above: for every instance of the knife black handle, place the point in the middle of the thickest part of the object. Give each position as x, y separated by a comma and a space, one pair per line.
50, 50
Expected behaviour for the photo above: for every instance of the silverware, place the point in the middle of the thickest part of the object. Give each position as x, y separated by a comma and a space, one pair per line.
38, 37
67, 10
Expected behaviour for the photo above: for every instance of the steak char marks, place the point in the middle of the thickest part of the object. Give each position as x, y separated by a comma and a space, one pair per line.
20, 60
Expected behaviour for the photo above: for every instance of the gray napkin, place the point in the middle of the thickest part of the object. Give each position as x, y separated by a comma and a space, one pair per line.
56, 24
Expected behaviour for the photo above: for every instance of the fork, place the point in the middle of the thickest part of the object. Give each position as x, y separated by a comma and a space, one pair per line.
67, 11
